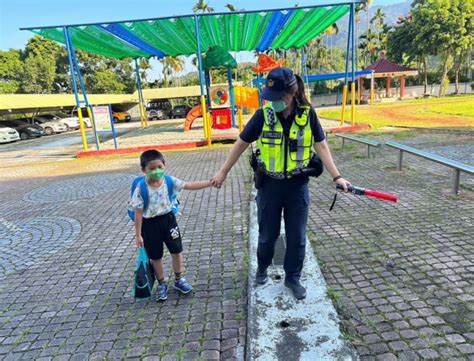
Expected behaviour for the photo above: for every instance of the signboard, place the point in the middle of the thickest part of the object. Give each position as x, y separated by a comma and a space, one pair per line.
103, 122
102, 117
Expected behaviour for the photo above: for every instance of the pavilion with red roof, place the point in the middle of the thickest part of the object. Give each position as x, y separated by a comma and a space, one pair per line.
383, 68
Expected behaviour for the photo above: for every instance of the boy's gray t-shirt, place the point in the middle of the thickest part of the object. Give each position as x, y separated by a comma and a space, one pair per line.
159, 200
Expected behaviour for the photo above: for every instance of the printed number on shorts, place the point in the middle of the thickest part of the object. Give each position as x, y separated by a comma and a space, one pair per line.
174, 232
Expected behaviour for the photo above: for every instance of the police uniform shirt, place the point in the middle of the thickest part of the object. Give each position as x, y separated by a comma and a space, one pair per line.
253, 129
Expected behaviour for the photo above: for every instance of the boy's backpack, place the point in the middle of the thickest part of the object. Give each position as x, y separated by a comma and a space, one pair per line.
144, 276
141, 182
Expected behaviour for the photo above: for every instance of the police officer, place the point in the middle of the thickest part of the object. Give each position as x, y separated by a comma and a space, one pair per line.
286, 131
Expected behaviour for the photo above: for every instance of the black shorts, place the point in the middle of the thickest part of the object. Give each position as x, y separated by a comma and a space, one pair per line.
159, 230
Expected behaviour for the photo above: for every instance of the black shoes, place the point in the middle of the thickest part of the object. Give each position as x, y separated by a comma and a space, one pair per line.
297, 289
261, 277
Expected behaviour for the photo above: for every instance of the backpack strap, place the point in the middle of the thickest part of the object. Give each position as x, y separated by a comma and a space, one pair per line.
135, 184
144, 192
169, 184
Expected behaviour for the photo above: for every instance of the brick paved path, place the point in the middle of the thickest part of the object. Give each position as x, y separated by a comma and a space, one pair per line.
67, 258
401, 274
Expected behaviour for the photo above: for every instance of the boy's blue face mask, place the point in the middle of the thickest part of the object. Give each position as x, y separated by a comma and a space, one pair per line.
279, 106
156, 174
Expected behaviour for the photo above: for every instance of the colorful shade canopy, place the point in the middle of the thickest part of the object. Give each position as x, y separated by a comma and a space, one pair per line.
259, 30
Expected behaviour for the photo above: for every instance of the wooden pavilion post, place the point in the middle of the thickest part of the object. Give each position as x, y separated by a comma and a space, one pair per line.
402, 86
387, 90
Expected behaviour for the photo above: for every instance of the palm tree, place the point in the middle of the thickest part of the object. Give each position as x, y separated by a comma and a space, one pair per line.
378, 21
203, 7
170, 65
231, 7
144, 66
367, 4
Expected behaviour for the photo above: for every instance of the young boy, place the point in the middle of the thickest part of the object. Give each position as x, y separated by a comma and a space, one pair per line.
157, 224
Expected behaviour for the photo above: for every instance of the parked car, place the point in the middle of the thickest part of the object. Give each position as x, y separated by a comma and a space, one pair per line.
180, 111
120, 115
161, 104
154, 114
25, 129
85, 117
71, 123
8, 134
50, 126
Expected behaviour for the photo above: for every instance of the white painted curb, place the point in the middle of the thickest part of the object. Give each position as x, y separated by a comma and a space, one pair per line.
313, 332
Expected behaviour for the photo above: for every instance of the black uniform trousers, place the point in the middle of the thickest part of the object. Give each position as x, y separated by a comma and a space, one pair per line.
292, 198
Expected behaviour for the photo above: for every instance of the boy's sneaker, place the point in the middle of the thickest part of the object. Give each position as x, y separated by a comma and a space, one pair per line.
162, 293
183, 286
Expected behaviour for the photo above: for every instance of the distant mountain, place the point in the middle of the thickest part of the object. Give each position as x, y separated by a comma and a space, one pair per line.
392, 13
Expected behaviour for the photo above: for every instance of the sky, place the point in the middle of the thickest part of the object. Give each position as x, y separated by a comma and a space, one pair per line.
26, 13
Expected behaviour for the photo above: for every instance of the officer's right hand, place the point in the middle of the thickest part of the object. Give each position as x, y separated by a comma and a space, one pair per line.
344, 183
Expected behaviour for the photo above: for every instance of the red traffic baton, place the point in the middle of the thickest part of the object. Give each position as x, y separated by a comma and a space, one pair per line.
365, 192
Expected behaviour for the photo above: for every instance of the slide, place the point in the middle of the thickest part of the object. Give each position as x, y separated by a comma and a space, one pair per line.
246, 97
194, 113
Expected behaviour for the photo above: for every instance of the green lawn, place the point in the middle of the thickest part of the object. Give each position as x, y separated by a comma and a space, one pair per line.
452, 111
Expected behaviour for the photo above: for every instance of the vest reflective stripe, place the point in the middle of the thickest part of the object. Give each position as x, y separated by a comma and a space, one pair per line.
272, 145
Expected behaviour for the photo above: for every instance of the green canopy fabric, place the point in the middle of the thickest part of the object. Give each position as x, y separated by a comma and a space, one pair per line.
275, 29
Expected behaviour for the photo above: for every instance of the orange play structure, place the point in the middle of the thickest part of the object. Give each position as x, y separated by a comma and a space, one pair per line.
265, 64
244, 97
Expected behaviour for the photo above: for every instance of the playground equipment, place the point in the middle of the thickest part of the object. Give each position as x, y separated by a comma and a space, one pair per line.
256, 30
243, 96
221, 98
265, 64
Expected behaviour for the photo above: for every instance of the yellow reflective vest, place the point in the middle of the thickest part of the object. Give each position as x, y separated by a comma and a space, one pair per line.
284, 156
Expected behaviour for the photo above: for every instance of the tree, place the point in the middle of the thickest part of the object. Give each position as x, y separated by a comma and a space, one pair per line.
144, 65
105, 81
202, 7
367, 35
39, 69
10, 70
170, 65
231, 7
446, 28
402, 46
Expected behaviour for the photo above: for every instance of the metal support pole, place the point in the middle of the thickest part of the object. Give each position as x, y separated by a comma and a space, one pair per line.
259, 87
113, 126
400, 159
304, 74
141, 100
201, 85
353, 64
368, 151
343, 143
232, 97
76, 93
456, 177
345, 89
81, 83
372, 86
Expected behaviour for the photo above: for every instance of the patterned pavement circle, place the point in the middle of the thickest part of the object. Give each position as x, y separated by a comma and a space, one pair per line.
25, 242
79, 188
